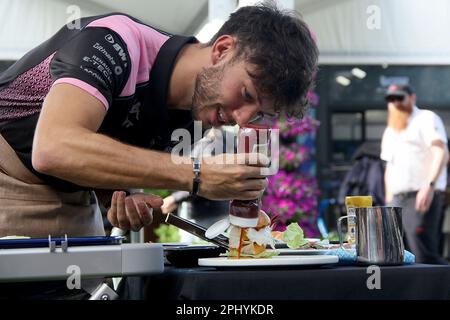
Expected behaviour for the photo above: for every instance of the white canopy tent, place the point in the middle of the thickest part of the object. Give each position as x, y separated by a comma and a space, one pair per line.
26, 23
347, 31
381, 31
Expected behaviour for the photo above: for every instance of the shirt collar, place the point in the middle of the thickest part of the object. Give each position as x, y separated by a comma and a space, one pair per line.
156, 94
163, 67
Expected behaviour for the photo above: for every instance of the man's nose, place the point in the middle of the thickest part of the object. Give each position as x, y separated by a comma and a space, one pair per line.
244, 114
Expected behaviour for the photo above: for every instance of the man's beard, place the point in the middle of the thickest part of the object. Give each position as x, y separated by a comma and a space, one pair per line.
397, 119
207, 89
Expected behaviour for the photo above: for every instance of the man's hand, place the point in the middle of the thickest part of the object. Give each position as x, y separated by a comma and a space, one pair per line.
425, 195
233, 176
132, 212
424, 198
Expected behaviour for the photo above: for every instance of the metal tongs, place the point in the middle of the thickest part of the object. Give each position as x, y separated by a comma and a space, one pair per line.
196, 229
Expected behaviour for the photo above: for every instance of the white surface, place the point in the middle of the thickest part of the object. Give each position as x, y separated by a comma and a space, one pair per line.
308, 252
37, 264
274, 261
172, 16
310, 240
27, 23
410, 31
217, 228
313, 239
382, 31
243, 222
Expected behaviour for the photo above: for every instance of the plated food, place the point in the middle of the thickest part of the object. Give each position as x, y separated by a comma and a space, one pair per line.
294, 238
252, 242
260, 242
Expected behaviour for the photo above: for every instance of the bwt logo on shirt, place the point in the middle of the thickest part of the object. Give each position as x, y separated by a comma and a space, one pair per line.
120, 51
117, 47
109, 38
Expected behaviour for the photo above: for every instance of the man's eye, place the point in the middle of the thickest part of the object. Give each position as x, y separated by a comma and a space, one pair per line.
247, 95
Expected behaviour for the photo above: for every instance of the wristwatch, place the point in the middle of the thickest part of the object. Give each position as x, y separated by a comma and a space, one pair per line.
196, 167
432, 184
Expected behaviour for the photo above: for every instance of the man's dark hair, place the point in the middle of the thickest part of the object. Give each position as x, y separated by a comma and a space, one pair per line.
280, 45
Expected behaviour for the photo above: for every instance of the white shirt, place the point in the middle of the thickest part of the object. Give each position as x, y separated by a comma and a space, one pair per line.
408, 153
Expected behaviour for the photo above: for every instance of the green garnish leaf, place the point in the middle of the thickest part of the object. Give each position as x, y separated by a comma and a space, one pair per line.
293, 236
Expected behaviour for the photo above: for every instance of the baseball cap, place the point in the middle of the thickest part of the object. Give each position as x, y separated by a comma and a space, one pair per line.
401, 90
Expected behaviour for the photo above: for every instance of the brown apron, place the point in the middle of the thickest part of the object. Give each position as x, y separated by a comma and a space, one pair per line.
28, 207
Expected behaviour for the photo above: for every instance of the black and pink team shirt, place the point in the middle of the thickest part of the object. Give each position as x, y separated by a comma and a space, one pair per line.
120, 61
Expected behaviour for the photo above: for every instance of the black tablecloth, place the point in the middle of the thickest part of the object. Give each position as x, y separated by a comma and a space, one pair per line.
397, 282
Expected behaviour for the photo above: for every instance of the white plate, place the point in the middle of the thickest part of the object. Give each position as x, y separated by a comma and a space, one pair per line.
308, 252
267, 262
312, 239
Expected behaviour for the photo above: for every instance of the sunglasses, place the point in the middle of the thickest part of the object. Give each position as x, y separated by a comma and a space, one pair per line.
395, 98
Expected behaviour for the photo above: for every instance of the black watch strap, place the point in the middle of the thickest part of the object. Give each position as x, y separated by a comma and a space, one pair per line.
196, 168
195, 186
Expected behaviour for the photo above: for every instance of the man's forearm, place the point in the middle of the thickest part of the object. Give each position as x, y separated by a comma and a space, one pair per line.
440, 157
97, 161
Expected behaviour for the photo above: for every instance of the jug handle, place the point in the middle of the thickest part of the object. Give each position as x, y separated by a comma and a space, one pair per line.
339, 229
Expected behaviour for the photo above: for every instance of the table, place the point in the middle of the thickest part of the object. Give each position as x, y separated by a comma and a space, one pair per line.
324, 283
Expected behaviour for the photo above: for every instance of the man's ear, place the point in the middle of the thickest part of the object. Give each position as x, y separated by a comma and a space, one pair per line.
223, 48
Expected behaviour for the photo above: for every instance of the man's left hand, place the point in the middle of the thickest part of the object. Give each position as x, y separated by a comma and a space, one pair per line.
424, 198
132, 212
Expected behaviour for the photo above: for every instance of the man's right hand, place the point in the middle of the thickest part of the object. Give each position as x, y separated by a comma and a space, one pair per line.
134, 211
233, 176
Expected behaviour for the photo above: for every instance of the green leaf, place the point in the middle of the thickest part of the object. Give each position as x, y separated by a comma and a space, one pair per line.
293, 236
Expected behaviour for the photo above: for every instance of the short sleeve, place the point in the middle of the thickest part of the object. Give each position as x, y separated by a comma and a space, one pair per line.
387, 146
433, 128
96, 60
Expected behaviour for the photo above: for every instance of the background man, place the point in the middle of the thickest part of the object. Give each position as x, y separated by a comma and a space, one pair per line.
414, 145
